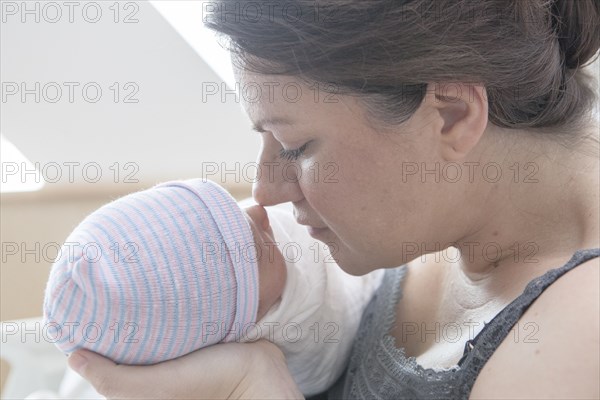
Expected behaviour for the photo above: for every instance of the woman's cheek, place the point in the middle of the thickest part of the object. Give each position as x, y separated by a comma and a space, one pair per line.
318, 194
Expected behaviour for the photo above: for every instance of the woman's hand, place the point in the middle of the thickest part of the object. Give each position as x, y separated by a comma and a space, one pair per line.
224, 371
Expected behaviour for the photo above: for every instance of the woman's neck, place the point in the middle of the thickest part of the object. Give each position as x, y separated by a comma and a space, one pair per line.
548, 208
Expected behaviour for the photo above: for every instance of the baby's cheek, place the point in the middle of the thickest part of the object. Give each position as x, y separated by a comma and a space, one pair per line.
272, 273
277, 275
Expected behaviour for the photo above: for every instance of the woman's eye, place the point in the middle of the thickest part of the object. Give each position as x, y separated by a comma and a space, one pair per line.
292, 155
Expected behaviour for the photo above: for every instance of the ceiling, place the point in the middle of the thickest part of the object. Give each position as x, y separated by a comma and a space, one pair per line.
170, 133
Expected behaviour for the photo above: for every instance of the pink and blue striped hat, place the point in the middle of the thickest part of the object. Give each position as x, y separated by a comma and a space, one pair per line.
155, 275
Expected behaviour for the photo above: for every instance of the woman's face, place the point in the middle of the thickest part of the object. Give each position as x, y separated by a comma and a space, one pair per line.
352, 186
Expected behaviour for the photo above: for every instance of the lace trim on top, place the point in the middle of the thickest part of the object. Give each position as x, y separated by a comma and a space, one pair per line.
398, 354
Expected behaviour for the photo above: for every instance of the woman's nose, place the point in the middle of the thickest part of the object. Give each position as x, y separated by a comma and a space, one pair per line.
277, 181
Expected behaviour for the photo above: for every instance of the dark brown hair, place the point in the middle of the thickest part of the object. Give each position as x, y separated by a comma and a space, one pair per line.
527, 53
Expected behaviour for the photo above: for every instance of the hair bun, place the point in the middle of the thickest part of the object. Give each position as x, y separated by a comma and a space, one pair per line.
577, 23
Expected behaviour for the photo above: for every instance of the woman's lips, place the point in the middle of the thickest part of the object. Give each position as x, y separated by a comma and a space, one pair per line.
314, 232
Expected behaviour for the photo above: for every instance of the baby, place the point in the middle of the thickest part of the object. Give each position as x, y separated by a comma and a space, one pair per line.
160, 273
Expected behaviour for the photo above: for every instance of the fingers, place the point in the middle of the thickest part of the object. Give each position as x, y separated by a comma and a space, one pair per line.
209, 373
269, 377
222, 371
112, 380
96, 369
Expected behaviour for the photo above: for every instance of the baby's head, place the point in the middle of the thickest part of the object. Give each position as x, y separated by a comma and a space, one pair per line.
163, 272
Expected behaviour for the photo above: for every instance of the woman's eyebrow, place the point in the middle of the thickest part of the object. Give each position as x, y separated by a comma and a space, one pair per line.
259, 125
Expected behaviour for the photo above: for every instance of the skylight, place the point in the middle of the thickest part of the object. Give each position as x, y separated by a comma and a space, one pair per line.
18, 173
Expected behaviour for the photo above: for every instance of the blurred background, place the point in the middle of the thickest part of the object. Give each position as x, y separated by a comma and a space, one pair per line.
100, 99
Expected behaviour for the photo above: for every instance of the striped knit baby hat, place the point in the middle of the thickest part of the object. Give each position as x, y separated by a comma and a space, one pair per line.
155, 275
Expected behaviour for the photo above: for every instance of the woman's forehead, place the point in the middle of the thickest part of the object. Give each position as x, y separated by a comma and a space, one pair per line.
288, 103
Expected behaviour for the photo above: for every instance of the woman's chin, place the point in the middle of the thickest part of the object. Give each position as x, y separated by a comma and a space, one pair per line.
350, 262
347, 262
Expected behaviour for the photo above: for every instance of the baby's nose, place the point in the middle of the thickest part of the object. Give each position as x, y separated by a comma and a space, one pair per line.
259, 216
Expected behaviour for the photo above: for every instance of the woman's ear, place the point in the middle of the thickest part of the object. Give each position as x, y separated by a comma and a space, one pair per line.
462, 110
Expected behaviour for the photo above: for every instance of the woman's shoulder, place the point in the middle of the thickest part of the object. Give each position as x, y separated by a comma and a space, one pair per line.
555, 342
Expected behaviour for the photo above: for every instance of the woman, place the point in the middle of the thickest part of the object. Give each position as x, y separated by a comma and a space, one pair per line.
454, 138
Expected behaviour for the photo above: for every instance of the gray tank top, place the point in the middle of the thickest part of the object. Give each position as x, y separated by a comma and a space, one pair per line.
379, 370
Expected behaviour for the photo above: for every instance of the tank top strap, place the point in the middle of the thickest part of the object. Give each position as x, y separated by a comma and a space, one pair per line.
480, 349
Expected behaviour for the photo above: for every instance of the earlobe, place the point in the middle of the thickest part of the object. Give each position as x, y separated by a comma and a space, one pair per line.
463, 110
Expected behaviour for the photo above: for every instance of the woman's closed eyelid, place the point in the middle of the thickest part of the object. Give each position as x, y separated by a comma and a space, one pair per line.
293, 154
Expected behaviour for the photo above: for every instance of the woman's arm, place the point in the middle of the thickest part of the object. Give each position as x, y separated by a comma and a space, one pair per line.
223, 371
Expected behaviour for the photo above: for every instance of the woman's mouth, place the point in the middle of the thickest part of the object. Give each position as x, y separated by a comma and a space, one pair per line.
315, 232
312, 230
